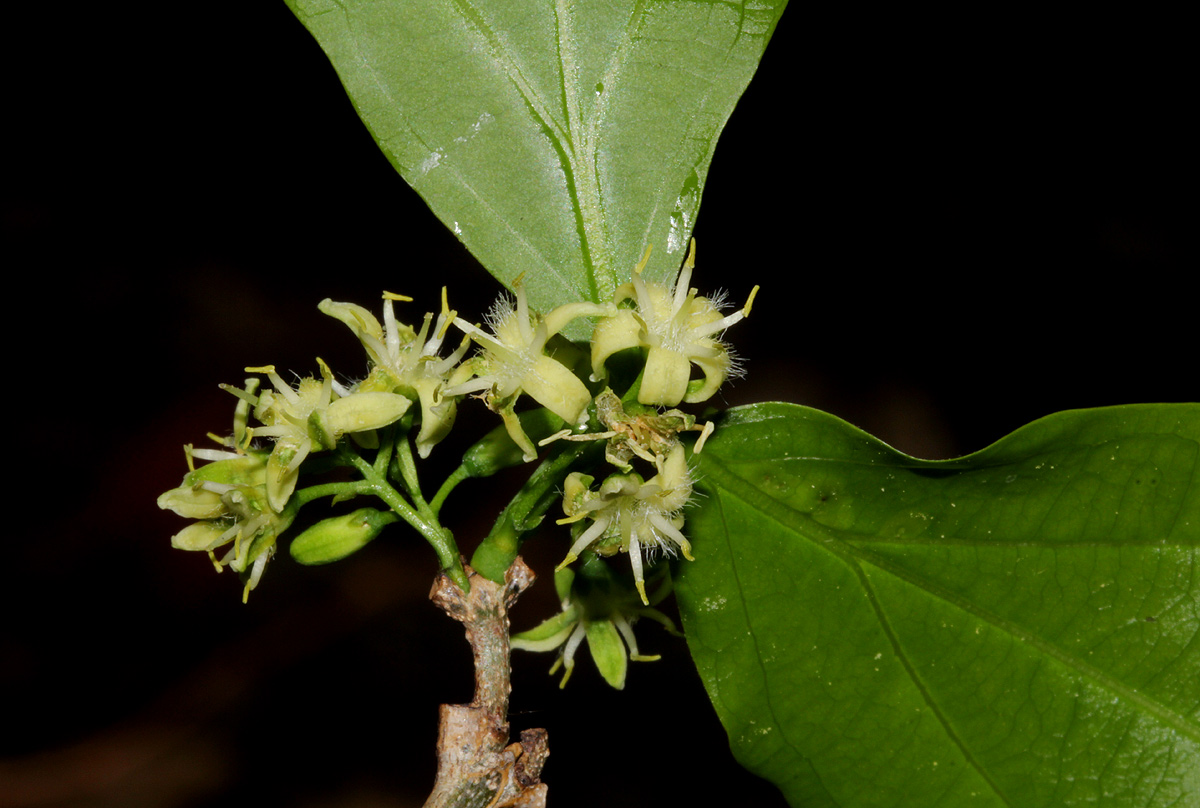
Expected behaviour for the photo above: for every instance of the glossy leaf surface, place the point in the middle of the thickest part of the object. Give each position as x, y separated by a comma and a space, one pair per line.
556, 139
1019, 627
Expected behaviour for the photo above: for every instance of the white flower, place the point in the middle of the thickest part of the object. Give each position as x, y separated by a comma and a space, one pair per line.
229, 497
406, 361
629, 515
677, 328
309, 418
514, 361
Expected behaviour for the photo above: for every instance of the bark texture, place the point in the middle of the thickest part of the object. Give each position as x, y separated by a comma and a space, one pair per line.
477, 766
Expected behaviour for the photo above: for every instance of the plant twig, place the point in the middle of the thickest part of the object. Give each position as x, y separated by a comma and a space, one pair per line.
477, 766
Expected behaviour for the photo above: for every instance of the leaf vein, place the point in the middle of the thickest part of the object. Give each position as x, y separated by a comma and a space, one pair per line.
805, 527
758, 656
926, 696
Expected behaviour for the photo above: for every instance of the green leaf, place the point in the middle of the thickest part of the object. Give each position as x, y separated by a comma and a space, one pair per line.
1019, 627
556, 139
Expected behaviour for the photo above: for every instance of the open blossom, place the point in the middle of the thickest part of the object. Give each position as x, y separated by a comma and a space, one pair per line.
514, 362
407, 362
229, 498
311, 418
629, 515
677, 328
604, 618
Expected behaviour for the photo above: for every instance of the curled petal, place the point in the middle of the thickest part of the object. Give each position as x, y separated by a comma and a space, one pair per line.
550, 634
612, 335
716, 371
283, 470
665, 381
192, 503
557, 389
359, 320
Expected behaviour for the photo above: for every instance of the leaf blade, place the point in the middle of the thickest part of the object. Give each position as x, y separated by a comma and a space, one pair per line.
557, 140
911, 569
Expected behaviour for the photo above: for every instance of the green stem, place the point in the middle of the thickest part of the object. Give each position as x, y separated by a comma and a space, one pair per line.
499, 548
425, 522
343, 490
461, 473
386, 444
404, 463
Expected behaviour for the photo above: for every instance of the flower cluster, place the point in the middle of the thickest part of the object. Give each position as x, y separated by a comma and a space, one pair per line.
314, 416
247, 494
229, 498
676, 329
629, 514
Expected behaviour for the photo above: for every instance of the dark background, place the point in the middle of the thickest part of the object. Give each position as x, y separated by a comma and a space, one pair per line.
961, 222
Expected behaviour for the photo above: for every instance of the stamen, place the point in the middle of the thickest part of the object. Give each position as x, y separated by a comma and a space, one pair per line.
562, 433
685, 278
327, 381
240, 393
568, 657
590, 535
635, 561
391, 330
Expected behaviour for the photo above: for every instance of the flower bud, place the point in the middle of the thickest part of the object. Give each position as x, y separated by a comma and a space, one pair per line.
337, 537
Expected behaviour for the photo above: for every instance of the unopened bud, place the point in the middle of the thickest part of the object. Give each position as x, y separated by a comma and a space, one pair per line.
337, 537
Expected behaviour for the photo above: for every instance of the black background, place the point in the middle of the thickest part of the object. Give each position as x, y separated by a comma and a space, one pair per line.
962, 221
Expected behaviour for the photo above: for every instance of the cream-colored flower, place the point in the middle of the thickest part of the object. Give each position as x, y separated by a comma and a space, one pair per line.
229, 497
407, 362
514, 361
677, 329
311, 418
629, 515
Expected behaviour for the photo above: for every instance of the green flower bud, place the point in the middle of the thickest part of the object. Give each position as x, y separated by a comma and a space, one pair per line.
337, 537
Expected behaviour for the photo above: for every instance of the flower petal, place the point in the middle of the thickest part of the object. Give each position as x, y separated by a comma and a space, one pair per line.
363, 411
557, 389
613, 334
604, 641
665, 380
200, 536
550, 634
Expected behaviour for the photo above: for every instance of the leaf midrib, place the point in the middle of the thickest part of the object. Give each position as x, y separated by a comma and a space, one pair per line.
779, 725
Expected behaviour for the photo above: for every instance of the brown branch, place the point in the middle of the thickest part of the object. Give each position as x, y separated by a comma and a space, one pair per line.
477, 767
